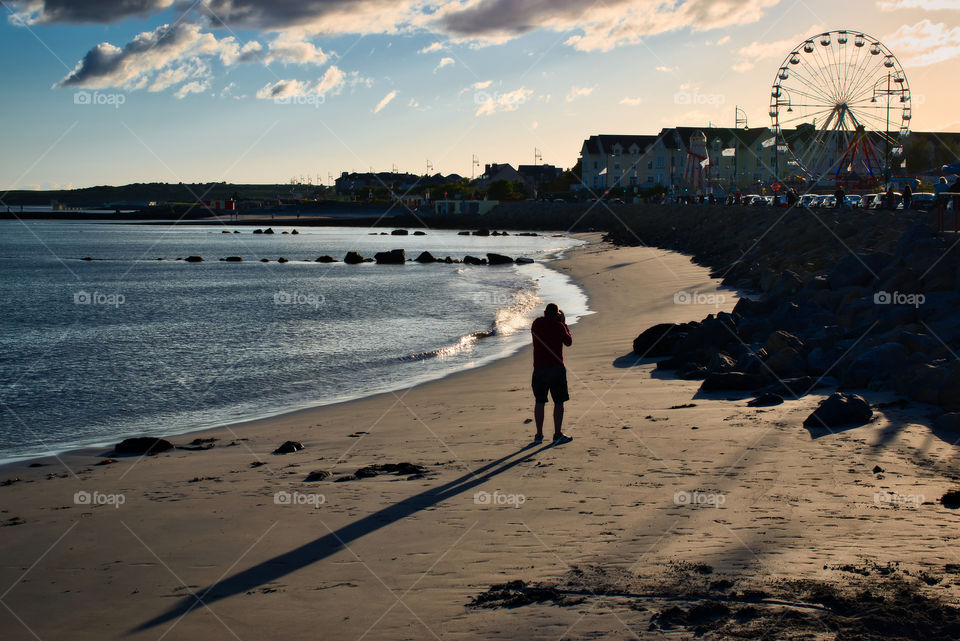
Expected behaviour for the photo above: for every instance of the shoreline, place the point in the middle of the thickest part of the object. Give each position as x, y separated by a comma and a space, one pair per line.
552, 262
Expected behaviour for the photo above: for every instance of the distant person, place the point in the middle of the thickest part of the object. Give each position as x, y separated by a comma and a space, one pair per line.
891, 197
907, 197
550, 334
841, 198
941, 204
792, 197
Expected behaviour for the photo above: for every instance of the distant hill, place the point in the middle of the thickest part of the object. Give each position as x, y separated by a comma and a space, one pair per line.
154, 192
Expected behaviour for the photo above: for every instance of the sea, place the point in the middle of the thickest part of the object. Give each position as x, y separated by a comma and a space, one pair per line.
138, 342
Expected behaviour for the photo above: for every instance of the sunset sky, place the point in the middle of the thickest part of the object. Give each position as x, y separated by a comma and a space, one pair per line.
259, 91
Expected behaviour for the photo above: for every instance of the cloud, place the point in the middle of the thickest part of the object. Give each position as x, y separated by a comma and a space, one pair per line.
413, 104
444, 62
483, 84
632, 102
926, 5
925, 43
384, 102
666, 69
149, 52
722, 41
433, 48
291, 47
332, 82
777, 50
510, 101
195, 86
579, 92
175, 75
80, 11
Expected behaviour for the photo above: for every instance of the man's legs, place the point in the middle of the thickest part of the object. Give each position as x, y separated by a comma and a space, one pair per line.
538, 418
557, 419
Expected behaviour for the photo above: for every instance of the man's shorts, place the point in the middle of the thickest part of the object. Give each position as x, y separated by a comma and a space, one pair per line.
552, 378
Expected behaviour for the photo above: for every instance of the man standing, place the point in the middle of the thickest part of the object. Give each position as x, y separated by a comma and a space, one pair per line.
550, 334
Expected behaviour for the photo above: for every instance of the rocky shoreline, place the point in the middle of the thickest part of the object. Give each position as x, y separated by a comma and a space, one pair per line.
852, 300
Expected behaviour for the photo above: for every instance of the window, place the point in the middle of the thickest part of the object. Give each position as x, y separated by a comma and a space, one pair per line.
596, 164
649, 164
633, 180
650, 180
659, 162
659, 179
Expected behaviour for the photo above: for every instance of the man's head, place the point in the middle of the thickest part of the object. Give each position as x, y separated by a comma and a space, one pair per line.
551, 311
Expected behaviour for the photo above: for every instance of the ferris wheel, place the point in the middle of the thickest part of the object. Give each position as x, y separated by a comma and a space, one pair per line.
841, 108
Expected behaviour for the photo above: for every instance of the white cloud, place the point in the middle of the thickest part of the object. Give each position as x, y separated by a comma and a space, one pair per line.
291, 47
757, 51
432, 48
195, 86
579, 92
331, 83
446, 61
483, 84
384, 102
925, 43
722, 41
510, 101
665, 69
632, 102
926, 5
413, 104
283, 89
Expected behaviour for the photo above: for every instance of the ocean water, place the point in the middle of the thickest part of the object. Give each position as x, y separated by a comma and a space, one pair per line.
94, 351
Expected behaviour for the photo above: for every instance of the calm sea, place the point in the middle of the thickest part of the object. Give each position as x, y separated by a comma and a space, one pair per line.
93, 351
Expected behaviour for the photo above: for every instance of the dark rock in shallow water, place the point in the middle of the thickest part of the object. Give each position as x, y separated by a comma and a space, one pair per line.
257, 231
268, 230
233, 259
425, 257
737, 381
194, 259
482, 232
766, 400
463, 233
840, 410
498, 259
282, 260
143, 445
472, 260
400, 232
353, 258
523, 260
392, 257
326, 259
289, 447
419, 233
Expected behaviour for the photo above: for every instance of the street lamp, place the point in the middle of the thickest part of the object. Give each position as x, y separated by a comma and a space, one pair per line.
887, 93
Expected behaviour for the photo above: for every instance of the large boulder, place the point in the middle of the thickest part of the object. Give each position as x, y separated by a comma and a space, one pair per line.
353, 258
659, 340
498, 259
840, 410
473, 260
326, 259
787, 362
392, 257
780, 340
142, 445
786, 286
425, 257
194, 259
737, 381
399, 232
858, 269
876, 365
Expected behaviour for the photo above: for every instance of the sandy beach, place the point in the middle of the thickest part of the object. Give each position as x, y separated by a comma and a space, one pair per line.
664, 500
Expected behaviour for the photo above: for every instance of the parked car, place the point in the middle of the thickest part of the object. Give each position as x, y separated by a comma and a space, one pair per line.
923, 200
853, 200
808, 200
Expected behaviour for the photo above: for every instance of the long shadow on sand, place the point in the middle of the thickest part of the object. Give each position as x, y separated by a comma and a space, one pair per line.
631, 359
327, 545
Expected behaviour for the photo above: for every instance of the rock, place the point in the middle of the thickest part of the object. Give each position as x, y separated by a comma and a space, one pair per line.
463, 233
498, 259
780, 340
787, 363
233, 259
523, 260
194, 259
798, 386
921, 382
786, 286
858, 269
840, 410
257, 231
419, 233
721, 362
143, 445
294, 232
472, 260
392, 257
326, 259
264, 260
399, 232
658, 340
106, 461
282, 260
877, 469
482, 232
766, 400
353, 258
318, 475
289, 447
268, 230
425, 257
692, 372
729, 381
224, 232
874, 366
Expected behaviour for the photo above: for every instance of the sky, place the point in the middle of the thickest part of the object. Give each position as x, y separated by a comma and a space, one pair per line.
265, 91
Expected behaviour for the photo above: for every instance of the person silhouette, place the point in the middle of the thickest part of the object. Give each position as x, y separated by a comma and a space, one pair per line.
550, 334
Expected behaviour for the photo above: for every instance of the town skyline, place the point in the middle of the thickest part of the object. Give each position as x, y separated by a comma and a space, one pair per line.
240, 92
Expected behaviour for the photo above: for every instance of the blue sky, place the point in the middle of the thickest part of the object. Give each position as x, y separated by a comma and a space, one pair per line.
105, 92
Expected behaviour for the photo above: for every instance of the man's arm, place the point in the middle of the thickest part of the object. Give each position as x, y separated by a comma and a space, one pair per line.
567, 338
